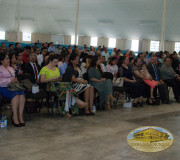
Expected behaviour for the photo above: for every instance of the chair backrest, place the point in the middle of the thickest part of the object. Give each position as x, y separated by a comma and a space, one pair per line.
108, 75
85, 76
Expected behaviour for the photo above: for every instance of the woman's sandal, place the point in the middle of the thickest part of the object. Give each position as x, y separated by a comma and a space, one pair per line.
68, 115
91, 112
107, 107
81, 104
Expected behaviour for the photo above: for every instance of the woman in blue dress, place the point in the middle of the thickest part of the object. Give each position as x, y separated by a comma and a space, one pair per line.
17, 98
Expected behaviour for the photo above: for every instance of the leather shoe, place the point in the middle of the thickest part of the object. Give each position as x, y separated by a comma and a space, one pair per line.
16, 125
135, 105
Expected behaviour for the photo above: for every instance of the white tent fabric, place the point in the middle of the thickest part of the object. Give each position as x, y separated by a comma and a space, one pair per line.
129, 19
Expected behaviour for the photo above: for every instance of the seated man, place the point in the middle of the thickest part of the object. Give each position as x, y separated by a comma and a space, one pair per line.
33, 68
106, 54
40, 57
153, 70
63, 67
170, 77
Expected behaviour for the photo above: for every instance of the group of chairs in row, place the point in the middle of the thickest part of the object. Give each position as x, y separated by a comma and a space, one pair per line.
35, 102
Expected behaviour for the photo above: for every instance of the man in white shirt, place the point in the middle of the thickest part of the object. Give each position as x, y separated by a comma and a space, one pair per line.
40, 57
105, 53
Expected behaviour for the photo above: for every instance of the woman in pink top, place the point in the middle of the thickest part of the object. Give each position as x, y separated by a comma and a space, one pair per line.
17, 98
112, 66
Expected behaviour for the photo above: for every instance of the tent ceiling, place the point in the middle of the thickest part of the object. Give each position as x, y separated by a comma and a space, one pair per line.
129, 19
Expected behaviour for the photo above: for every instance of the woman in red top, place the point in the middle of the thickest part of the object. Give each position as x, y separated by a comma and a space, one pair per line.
3, 48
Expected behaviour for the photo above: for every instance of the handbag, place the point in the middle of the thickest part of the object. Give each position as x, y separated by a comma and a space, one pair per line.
16, 87
118, 82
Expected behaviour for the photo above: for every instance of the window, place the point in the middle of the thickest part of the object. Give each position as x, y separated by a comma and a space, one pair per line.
2, 35
73, 39
26, 36
135, 45
93, 41
112, 43
177, 46
154, 46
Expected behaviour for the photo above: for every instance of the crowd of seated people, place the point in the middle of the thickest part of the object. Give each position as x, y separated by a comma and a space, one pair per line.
147, 75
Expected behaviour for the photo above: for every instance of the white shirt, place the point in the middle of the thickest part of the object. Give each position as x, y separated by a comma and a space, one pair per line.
103, 67
106, 54
112, 69
32, 64
113, 53
83, 68
40, 59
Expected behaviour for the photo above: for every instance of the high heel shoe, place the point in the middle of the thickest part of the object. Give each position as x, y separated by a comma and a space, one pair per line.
23, 124
87, 113
110, 97
68, 115
81, 104
91, 112
140, 104
135, 105
16, 125
107, 107
147, 102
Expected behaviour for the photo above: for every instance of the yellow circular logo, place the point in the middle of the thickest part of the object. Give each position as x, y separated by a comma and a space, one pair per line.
150, 139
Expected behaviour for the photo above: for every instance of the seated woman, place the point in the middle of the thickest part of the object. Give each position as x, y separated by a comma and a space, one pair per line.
17, 98
46, 59
73, 75
51, 73
101, 84
136, 89
161, 59
85, 63
19, 61
14, 65
148, 80
3, 48
112, 66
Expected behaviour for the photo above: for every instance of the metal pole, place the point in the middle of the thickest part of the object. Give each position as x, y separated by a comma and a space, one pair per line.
163, 27
19, 14
77, 17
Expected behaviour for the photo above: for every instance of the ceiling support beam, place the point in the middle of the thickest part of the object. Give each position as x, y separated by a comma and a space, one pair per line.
77, 19
163, 27
18, 25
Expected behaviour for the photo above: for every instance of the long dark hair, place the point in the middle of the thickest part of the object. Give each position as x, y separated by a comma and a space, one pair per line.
2, 57
135, 61
71, 58
52, 57
121, 60
111, 60
94, 59
11, 56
